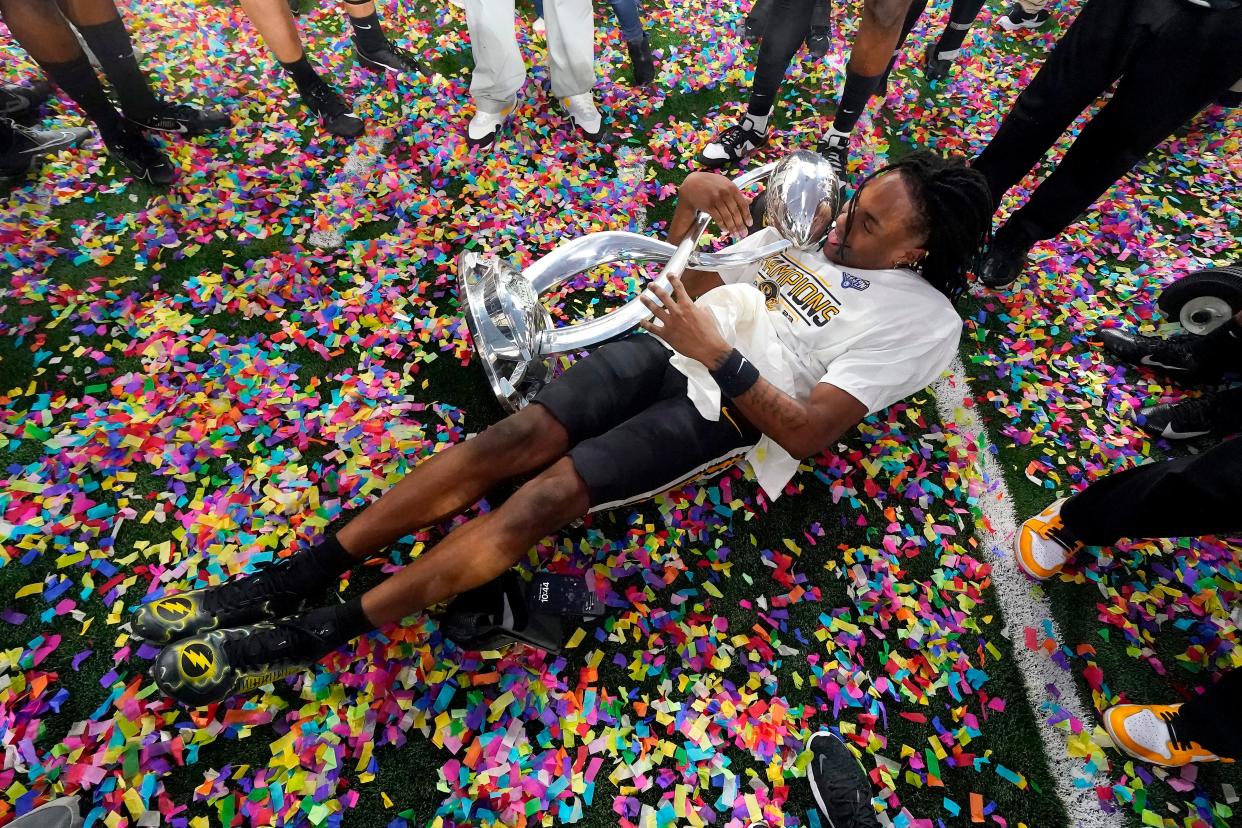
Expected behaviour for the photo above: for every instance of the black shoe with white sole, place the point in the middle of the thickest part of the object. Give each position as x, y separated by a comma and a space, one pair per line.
1219, 414
1005, 259
335, 116
1174, 356
1019, 18
183, 119
839, 784
133, 150
734, 144
388, 58
28, 145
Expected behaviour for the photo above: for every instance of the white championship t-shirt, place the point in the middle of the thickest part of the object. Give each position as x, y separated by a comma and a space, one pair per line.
878, 335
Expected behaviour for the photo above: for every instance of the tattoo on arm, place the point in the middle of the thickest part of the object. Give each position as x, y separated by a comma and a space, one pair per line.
770, 401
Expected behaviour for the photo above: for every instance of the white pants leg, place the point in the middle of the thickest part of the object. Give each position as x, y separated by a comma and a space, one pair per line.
499, 70
571, 45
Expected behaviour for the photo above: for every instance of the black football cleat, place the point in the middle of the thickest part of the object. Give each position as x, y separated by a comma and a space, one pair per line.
211, 667
235, 603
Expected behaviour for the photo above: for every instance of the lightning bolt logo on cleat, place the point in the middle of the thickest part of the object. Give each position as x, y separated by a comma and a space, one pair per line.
174, 609
197, 660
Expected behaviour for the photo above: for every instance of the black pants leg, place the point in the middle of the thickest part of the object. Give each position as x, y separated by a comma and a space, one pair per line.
1186, 64
1214, 720
1187, 497
1086, 60
789, 22
821, 13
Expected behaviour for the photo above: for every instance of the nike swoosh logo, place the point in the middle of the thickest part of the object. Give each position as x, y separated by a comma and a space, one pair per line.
1174, 434
1154, 363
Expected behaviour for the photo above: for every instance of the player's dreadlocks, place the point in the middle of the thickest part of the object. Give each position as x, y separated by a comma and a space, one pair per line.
955, 210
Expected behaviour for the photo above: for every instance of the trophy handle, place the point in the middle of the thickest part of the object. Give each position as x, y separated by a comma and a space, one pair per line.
582, 335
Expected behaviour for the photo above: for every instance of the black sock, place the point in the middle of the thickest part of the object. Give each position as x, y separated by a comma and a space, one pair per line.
111, 45
6, 135
304, 75
77, 77
760, 104
367, 32
332, 626
858, 90
331, 557
1221, 348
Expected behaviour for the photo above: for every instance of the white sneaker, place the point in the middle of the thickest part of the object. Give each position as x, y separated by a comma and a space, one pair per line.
485, 125
539, 25
1043, 545
734, 144
582, 112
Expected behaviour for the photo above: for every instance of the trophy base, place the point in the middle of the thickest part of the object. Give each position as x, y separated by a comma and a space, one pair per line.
505, 317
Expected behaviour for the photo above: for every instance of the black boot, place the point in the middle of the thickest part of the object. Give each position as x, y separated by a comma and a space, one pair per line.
642, 62
1005, 259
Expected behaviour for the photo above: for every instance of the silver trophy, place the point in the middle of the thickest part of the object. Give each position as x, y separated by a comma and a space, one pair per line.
512, 330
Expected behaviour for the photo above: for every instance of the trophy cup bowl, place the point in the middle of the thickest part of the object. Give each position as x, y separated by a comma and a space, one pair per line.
505, 318
803, 197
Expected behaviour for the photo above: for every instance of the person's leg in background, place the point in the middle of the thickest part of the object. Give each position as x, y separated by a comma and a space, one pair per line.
571, 63
642, 62
1189, 56
274, 22
883, 26
372, 48
44, 33
790, 21
99, 22
1025, 14
1186, 497
499, 70
941, 54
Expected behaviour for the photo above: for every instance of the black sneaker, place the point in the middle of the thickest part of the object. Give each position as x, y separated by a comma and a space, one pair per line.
754, 29
734, 144
1219, 414
818, 41
28, 145
264, 595
388, 58
935, 68
1019, 18
1004, 260
210, 667
334, 115
839, 784
19, 102
133, 150
642, 62
1175, 356
184, 119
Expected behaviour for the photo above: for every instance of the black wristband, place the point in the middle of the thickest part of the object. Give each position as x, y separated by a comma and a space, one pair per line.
736, 375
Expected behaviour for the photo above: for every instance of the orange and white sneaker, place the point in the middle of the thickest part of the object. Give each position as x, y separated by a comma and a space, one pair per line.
1043, 544
1145, 731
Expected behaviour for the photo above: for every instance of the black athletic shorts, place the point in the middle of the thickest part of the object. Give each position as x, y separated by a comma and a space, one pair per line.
634, 433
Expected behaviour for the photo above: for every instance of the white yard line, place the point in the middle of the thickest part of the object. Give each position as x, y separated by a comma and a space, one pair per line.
1022, 607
